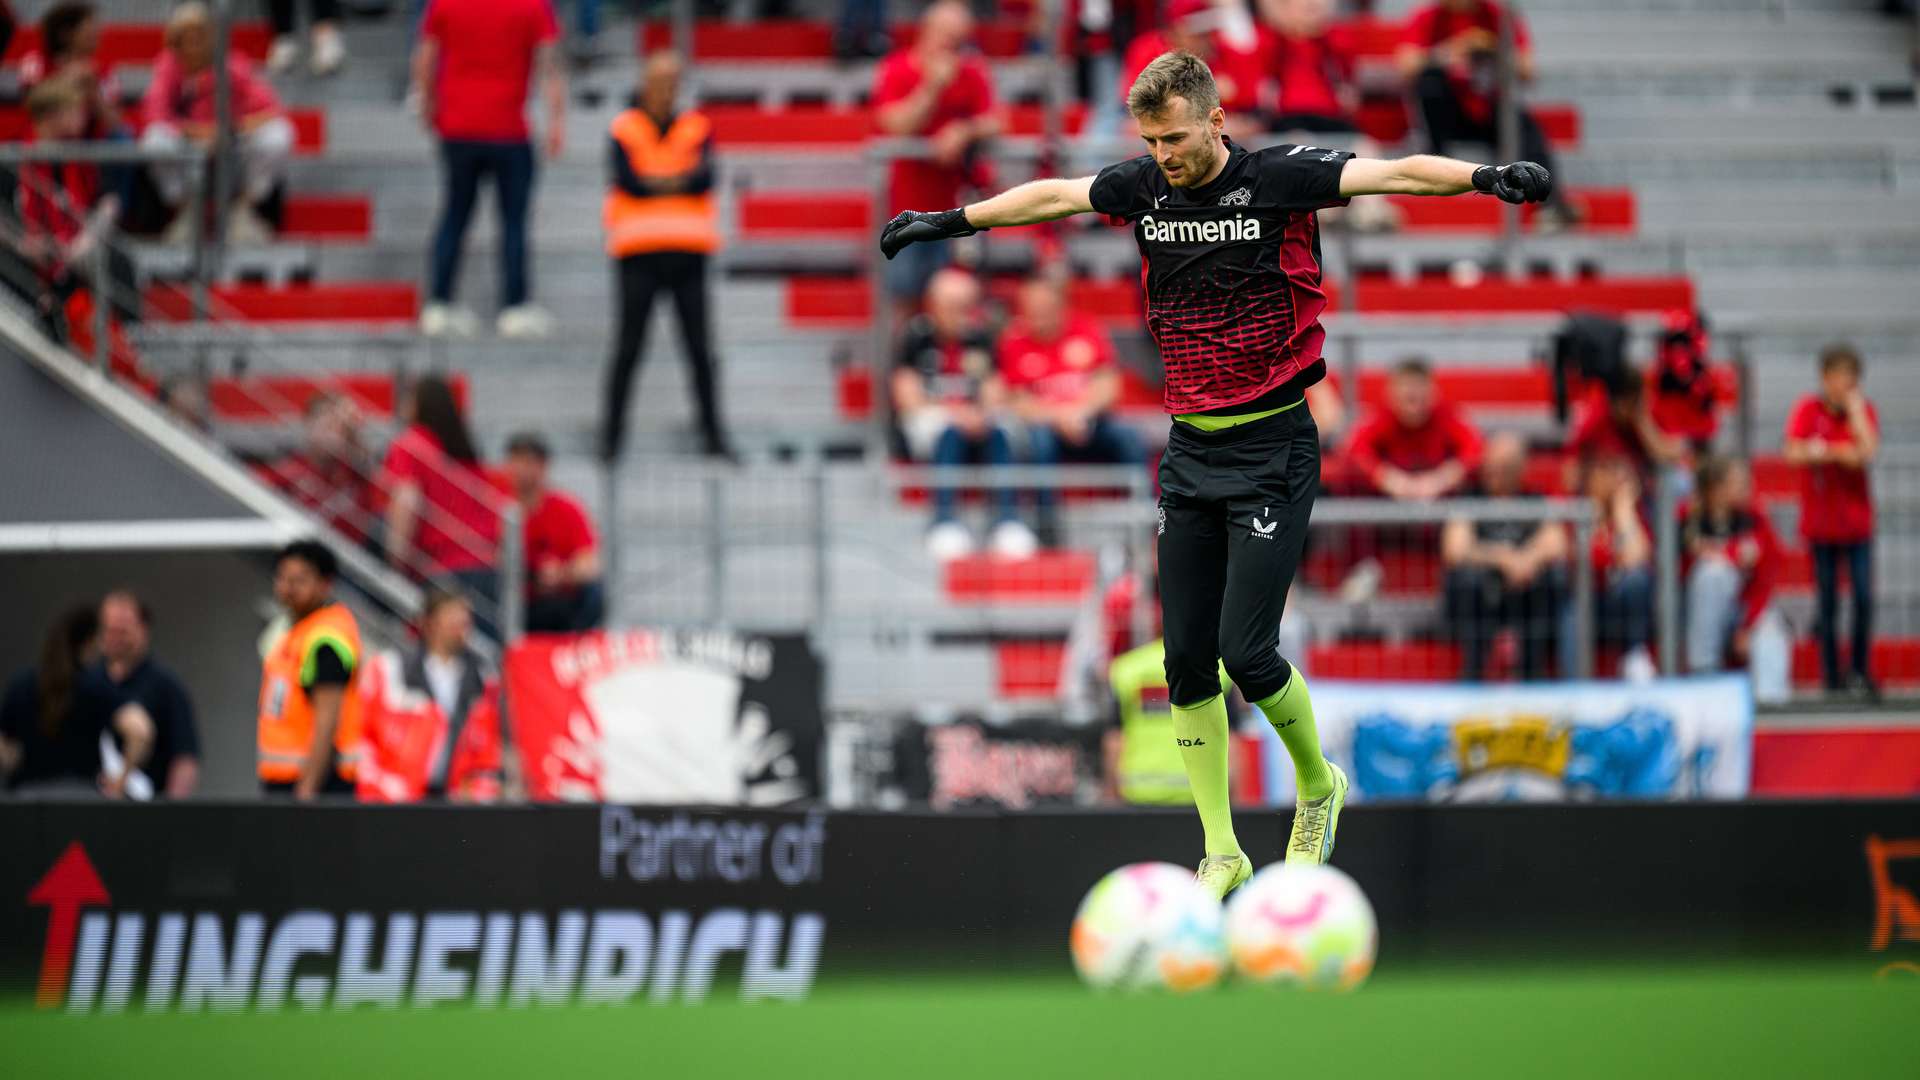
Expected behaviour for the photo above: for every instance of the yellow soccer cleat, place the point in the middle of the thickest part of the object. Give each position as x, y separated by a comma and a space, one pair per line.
1221, 874
1311, 841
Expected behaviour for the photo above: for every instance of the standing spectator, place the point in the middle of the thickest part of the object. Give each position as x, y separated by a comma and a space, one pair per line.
940, 89
1418, 447
323, 18
126, 653
472, 70
329, 474
179, 110
56, 718
1622, 559
564, 594
1450, 55
1685, 395
1063, 381
454, 677
1504, 573
659, 218
1833, 436
310, 708
946, 397
1731, 560
442, 518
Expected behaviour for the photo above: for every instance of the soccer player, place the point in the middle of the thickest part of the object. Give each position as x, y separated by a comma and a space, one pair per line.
1233, 300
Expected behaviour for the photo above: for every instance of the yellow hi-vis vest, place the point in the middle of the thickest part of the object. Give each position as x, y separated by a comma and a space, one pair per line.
286, 713
637, 224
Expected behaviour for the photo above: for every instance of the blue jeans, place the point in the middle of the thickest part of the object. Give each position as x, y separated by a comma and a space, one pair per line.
1826, 565
1622, 615
954, 448
1108, 442
464, 164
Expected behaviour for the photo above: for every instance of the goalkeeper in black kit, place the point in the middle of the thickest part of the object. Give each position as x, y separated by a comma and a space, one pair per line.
1232, 255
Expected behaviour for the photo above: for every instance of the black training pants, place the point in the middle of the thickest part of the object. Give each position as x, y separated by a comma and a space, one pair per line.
641, 278
1233, 519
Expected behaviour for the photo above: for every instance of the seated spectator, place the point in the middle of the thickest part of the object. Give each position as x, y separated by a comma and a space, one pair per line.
65, 213
1504, 573
1062, 379
1685, 395
330, 474
564, 594
442, 516
1616, 423
1418, 447
1450, 55
937, 88
172, 768
69, 49
1833, 436
946, 400
58, 719
180, 112
323, 33
1223, 35
1731, 559
1622, 560
1314, 95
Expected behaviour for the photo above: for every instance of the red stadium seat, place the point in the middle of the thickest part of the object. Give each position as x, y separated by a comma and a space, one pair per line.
1050, 577
346, 302
327, 217
1028, 668
280, 399
800, 39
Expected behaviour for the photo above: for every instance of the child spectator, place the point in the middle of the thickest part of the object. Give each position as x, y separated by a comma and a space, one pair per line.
946, 400
1731, 559
64, 213
1622, 560
69, 46
179, 109
1418, 447
562, 554
1063, 380
1504, 573
940, 89
1833, 436
442, 515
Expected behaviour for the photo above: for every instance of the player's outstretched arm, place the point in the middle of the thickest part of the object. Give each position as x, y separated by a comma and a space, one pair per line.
1425, 174
1033, 201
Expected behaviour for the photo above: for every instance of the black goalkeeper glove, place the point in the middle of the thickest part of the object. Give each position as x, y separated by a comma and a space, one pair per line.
1520, 182
914, 227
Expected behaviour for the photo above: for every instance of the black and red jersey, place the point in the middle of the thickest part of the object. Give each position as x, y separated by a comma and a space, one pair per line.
1232, 272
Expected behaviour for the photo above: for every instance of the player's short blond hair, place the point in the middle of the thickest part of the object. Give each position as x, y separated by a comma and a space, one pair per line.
1174, 75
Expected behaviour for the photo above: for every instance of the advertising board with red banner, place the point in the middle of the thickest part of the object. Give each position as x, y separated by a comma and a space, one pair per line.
707, 717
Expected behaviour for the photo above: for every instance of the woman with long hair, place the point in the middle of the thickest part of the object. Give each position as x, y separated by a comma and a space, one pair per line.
443, 513
55, 718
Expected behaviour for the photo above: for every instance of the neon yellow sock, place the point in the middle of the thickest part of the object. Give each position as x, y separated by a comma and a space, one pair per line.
1202, 733
1290, 711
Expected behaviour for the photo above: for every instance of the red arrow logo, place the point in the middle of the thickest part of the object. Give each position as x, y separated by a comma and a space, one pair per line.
68, 887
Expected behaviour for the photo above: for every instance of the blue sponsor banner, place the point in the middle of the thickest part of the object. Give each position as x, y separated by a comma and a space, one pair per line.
1666, 739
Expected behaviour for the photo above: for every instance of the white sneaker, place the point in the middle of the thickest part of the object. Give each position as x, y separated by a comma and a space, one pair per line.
949, 540
1637, 666
524, 321
329, 52
1013, 540
445, 320
281, 56
247, 228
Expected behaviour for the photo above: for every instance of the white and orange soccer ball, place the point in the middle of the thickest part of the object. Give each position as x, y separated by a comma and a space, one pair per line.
1149, 926
1305, 926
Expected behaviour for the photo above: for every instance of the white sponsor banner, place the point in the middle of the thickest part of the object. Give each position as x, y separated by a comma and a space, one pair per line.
1667, 739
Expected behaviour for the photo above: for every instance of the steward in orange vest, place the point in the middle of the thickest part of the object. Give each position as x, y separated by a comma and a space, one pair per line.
309, 725
661, 226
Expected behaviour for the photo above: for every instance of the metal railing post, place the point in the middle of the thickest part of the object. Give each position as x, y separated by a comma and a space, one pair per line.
513, 577
1508, 148
223, 138
1744, 386
1583, 625
612, 528
103, 302
716, 548
198, 189
1145, 596
880, 330
819, 527
682, 16
1666, 554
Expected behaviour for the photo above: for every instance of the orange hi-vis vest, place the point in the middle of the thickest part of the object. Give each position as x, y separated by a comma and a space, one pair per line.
286, 712
636, 224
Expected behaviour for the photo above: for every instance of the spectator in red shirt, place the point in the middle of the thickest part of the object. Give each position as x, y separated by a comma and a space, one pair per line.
1063, 381
938, 88
471, 72
1312, 66
329, 474
1450, 56
443, 517
1685, 395
1504, 573
64, 210
1731, 560
1833, 435
1235, 48
564, 594
69, 47
1615, 422
1418, 447
1622, 560
179, 113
